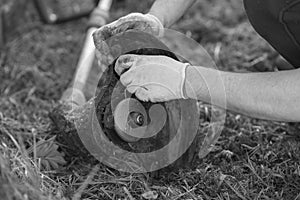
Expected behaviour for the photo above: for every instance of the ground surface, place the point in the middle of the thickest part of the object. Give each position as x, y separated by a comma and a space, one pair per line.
253, 159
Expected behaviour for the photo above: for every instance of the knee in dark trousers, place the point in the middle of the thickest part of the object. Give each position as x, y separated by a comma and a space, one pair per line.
278, 22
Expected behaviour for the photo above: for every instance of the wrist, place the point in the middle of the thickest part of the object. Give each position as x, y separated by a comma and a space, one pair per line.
195, 86
183, 83
159, 27
158, 16
188, 90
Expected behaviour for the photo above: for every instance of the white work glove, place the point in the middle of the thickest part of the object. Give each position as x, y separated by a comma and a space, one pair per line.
152, 78
134, 21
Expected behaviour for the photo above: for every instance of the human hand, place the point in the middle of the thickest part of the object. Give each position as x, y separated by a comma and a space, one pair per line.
152, 78
136, 21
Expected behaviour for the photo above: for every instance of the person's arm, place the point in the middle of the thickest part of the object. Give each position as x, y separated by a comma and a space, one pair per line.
270, 95
162, 14
169, 11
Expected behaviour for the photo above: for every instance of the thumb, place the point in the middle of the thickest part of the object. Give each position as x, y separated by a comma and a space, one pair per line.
142, 94
100, 35
124, 62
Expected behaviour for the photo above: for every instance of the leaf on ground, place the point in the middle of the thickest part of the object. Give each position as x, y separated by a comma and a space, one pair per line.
150, 195
48, 154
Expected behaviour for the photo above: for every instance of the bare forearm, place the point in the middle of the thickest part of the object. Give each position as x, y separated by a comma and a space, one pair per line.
169, 11
272, 96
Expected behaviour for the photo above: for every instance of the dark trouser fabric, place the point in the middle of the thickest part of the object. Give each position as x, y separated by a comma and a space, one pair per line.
278, 21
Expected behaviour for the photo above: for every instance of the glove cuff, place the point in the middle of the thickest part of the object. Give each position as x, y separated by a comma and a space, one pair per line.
183, 77
158, 22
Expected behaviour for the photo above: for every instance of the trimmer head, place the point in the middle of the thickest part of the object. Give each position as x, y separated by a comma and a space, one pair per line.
122, 116
128, 134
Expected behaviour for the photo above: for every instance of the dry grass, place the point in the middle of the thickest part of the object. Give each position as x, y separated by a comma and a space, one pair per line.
253, 159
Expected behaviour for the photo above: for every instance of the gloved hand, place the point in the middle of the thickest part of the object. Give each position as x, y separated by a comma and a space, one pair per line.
152, 78
137, 21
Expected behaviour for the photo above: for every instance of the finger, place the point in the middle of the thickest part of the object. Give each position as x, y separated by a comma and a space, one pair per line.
128, 22
134, 25
142, 94
127, 58
104, 32
127, 78
137, 21
116, 27
128, 25
121, 67
132, 88
101, 35
123, 63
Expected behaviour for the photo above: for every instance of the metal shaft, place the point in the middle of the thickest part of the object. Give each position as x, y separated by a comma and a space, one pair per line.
98, 18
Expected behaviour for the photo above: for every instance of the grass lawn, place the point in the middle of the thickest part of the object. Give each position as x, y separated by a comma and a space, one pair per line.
253, 159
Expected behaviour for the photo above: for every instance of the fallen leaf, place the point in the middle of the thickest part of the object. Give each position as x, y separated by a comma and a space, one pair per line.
150, 195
